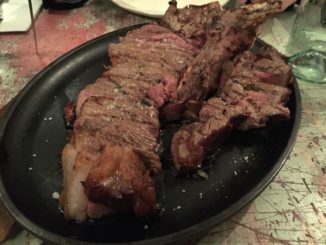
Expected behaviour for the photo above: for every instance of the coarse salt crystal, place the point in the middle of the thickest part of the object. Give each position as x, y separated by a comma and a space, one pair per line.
50, 118
34, 155
200, 195
183, 190
179, 207
55, 195
30, 168
145, 227
235, 173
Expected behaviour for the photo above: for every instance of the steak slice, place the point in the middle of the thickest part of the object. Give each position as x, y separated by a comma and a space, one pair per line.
154, 44
201, 77
161, 59
156, 34
194, 141
246, 101
99, 133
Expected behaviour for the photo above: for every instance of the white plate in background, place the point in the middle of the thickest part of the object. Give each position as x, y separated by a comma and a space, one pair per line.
157, 8
16, 15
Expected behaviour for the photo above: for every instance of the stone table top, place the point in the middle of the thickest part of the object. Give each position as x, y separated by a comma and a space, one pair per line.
291, 210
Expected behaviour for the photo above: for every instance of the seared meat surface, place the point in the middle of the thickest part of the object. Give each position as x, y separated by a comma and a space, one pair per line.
112, 155
119, 180
194, 23
194, 141
247, 98
201, 77
197, 24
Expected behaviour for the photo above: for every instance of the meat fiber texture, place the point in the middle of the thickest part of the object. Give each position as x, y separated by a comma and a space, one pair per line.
162, 70
112, 155
248, 89
222, 35
252, 92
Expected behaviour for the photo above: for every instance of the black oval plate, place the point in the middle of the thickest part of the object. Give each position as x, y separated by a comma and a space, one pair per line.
33, 135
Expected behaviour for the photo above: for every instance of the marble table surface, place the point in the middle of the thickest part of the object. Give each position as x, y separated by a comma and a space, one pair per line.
291, 210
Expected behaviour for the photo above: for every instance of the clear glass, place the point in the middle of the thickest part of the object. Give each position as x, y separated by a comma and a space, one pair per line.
307, 44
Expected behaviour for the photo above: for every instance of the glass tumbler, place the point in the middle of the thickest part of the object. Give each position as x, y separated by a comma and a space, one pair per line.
307, 43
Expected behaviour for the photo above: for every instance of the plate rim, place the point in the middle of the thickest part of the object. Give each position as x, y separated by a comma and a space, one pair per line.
124, 5
178, 236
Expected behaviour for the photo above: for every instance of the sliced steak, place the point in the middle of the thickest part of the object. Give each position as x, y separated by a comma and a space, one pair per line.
265, 100
112, 155
201, 77
246, 101
235, 32
194, 141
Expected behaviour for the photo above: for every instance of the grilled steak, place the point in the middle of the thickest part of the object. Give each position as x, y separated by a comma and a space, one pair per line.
226, 34
248, 98
110, 160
